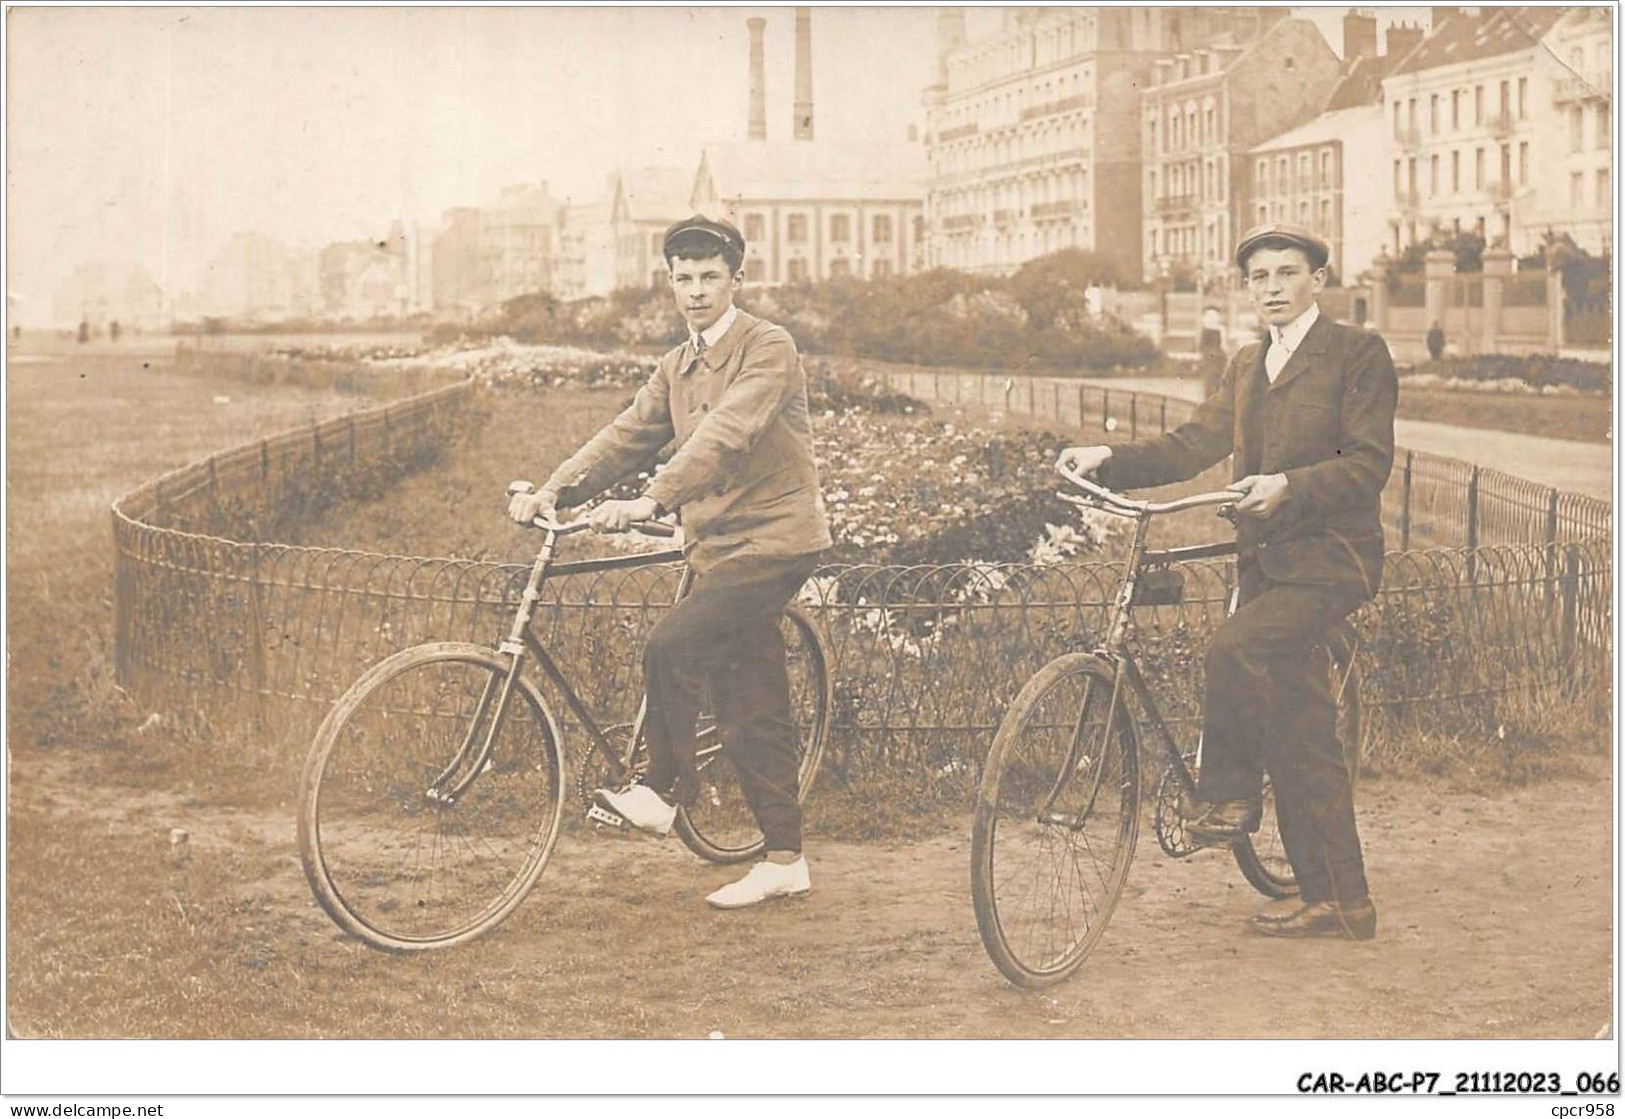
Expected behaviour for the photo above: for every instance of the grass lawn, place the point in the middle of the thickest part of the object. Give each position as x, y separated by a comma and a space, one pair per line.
1588, 418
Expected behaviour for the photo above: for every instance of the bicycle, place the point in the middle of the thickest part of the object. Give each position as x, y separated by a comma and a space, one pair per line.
435, 787
1059, 806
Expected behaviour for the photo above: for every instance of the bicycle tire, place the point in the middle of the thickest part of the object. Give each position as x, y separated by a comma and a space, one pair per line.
388, 861
1031, 804
1262, 857
719, 826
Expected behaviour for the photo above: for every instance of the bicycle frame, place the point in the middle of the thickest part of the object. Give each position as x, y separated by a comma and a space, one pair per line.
470, 759
1115, 647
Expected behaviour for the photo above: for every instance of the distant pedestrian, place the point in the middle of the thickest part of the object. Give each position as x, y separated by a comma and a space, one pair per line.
84, 330
1210, 344
113, 330
1435, 342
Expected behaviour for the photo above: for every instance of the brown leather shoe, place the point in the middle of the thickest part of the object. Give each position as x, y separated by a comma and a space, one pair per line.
1225, 821
1350, 920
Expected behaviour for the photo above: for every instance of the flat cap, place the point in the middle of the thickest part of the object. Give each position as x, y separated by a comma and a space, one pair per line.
1281, 235
726, 235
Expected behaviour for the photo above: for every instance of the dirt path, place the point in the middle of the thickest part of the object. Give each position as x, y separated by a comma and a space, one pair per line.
1494, 911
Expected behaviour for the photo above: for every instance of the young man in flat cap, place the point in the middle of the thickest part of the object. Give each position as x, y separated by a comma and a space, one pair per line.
1308, 413
733, 399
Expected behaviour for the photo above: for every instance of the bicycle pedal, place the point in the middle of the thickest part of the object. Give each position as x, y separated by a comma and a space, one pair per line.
600, 815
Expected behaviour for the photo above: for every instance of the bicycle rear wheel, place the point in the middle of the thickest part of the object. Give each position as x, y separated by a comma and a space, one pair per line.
719, 826
410, 838
1056, 822
1262, 857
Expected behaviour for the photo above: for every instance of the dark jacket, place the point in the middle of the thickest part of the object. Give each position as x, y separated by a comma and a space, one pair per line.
1327, 423
743, 471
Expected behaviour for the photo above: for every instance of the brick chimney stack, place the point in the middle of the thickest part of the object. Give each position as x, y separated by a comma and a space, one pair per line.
804, 105
757, 129
1403, 38
1359, 35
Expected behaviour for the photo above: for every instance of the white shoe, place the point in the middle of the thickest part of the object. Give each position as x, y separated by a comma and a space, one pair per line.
766, 879
639, 806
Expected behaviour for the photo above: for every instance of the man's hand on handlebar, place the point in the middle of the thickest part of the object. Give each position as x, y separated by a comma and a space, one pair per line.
1262, 494
618, 516
1084, 460
526, 507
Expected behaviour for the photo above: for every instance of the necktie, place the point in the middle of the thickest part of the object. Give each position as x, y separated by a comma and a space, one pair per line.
1275, 358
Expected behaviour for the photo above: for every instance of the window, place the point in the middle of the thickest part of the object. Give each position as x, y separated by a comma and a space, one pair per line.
1506, 165
840, 229
1506, 98
1212, 133
1455, 172
1304, 181
1152, 124
1326, 170
1433, 176
1410, 174
1263, 176
882, 269
657, 243
1478, 104
1326, 215
1605, 124
1576, 186
795, 232
1433, 114
1263, 213
753, 228
795, 269
1523, 162
1396, 120
1577, 140
1303, 211
882, 229
1478, 168
1399, 187
840, 266
1410, 114
1603, 198
1523, 98
1282, 186
1455, 108
754, 270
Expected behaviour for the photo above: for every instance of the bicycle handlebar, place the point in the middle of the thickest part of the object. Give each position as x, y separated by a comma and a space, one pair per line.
1116, 502
569, 528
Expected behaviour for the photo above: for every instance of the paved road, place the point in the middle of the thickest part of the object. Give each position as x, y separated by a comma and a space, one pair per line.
1565, 463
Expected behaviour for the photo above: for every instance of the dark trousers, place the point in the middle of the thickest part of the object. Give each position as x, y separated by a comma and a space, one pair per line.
1269, 708
723, 639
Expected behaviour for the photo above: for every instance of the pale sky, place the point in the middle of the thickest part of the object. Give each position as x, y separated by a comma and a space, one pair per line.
151, 135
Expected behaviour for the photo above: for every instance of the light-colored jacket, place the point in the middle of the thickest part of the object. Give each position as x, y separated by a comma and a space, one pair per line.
742, 474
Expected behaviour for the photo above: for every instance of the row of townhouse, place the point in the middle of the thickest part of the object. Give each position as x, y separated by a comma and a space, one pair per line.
1155, 137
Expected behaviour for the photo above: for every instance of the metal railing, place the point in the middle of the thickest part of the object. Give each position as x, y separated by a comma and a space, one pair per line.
924, 659
1430, 500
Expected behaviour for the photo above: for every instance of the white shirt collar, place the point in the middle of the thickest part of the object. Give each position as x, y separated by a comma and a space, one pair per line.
713, 333
1290, 336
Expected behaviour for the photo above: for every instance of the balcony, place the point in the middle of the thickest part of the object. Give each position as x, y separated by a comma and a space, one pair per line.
1003, 218
1171, 204
1597, 86
959, 133
959, 221
1054, 209
1409, 139
1502, 125
1052, 108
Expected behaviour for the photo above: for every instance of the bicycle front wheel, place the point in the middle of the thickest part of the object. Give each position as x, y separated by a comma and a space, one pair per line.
720, 826
1056, 821
414, 834
1262, 856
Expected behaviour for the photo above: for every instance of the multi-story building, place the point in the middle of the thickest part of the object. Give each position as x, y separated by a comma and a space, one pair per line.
1463, 115
1032, 140
362, 280
258, 278
455, 264
1573, 121
517, 243
1203, 113
647, 201
586, 260
1327, 174
810, 210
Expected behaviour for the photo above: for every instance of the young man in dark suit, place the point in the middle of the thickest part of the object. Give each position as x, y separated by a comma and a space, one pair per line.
733, 398
1308, 413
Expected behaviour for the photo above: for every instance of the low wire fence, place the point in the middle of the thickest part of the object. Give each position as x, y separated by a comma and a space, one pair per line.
1430, 500
230, 631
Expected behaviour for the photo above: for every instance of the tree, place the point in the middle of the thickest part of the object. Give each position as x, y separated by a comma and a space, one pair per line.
1050, 284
